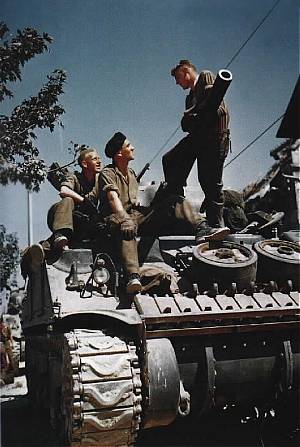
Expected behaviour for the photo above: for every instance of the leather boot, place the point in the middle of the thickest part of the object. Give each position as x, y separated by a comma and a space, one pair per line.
214, 214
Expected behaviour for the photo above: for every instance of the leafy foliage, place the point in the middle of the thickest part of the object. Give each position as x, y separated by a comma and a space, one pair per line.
9, 255
25, 45
18, 154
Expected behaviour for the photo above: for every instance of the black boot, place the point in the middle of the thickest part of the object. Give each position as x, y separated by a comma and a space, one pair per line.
214, 214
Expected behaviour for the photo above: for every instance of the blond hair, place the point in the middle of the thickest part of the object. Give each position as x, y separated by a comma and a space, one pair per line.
84, 153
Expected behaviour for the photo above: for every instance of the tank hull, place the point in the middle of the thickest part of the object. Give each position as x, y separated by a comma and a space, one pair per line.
104, 373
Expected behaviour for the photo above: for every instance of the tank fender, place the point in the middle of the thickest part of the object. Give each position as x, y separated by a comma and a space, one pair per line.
127, 316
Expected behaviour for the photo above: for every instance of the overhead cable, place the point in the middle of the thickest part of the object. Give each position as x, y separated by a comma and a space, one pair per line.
229, 63
252, 34
163, 146
254, 141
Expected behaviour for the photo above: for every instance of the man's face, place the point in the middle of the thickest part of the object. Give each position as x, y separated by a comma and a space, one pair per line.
127, 151
182, 78
92, 163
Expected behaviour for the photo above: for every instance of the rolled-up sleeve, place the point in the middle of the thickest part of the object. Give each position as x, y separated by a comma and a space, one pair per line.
108, 181
70, 182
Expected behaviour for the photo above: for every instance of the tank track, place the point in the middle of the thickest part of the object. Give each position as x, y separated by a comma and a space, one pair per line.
106, 389
90, 383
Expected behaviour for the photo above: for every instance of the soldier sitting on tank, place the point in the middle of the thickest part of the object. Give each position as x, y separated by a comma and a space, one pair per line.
70, 218
126, 219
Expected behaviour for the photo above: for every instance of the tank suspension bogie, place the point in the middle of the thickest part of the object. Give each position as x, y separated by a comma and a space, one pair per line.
162, 384
258, 372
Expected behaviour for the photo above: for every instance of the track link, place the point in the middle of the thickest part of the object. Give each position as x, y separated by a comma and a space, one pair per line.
105, 394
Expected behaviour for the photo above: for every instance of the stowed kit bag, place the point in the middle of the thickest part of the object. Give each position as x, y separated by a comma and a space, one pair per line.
158, 278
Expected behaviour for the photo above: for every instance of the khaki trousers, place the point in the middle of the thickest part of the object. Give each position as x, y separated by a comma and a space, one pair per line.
60, 215
155, 222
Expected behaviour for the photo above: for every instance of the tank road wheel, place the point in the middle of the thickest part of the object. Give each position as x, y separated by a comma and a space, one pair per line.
223, 263
98, 400
279, 260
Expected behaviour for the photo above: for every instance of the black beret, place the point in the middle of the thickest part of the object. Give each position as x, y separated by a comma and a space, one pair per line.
114, 144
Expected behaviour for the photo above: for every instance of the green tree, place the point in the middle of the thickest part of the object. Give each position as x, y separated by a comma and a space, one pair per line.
9, 255
19, 156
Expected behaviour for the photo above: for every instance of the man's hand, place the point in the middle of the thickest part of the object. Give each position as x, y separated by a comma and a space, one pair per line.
124, 223
189, 122
128, 229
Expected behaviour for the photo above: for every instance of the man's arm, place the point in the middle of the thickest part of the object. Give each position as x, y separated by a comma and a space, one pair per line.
115, 203
119, 216
65, 191
87, 202
201, 114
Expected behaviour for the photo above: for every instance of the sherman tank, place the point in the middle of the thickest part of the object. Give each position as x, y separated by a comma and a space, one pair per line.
105, 370
217, 329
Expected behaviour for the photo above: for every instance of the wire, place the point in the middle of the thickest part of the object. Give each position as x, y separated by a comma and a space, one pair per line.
253, 141
229, 63
252, 34
163, 146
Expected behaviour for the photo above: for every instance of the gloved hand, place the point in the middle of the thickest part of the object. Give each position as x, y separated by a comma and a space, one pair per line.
128, 229
88, 206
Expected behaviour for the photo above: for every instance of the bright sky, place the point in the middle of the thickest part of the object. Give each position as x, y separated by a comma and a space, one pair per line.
118, 55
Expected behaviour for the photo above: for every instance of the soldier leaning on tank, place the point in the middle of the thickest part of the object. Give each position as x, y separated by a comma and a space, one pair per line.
118, 188
70, 217
207, 141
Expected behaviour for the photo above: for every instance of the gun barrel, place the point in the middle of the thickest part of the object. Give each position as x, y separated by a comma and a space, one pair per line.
219, 89
140, 175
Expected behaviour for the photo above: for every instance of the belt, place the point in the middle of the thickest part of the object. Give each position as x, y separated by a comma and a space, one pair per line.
215, 133
220, 133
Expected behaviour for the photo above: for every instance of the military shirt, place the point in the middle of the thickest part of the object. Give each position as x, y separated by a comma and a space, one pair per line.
112, 179
78, 183
199, 95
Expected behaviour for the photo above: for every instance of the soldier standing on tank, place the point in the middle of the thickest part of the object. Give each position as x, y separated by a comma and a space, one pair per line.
70, 217
207, 141
118, 188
